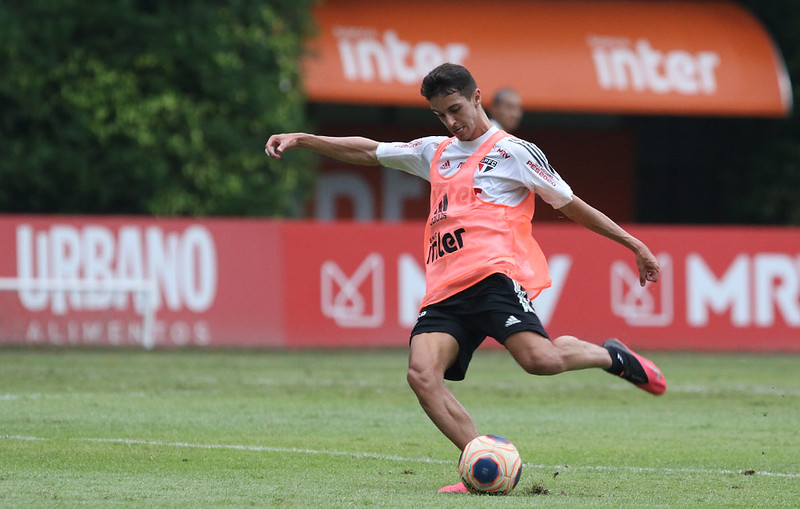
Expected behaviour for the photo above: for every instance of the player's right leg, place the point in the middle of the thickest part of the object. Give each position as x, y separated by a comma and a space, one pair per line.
430, 356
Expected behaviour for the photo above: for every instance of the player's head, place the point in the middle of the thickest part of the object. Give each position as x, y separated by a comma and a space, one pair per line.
448, 79
506, 108
455, 99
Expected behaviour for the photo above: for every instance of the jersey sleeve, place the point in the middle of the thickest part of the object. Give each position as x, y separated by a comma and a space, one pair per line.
538, 175
412, 157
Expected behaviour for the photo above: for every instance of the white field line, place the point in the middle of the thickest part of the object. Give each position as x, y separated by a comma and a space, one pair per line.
748, 390
384, 457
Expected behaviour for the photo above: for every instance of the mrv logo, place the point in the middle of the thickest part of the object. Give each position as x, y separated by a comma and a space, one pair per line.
442, 244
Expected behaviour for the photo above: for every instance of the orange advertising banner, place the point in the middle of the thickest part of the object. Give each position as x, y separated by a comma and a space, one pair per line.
666, 57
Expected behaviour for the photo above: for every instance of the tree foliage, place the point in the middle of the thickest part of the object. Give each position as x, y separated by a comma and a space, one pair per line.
150, 107
163, 107
776, 159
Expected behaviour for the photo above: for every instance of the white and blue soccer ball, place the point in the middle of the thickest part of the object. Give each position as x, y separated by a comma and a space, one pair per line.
490, 465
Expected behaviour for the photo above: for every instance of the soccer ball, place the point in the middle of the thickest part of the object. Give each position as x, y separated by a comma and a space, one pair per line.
490, 465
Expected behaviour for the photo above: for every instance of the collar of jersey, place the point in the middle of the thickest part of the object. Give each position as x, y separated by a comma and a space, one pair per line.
475, 144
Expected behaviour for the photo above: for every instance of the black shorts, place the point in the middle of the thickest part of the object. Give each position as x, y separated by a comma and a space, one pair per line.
495, 307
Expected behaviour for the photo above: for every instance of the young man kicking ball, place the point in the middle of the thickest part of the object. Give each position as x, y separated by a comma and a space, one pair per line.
482, 264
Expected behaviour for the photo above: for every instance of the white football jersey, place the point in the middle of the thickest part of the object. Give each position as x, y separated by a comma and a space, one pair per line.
511, 170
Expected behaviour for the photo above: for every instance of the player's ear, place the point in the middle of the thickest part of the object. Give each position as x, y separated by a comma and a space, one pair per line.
476, 97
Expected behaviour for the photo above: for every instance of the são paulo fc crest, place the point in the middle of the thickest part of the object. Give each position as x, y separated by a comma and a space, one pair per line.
486, 164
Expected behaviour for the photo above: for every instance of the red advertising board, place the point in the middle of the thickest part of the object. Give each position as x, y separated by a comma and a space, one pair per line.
215, 280
262, 283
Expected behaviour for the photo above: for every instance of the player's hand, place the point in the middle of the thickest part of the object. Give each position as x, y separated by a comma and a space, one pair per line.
277, 144
648, 267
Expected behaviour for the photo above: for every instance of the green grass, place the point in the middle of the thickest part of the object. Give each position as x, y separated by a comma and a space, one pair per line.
111, 428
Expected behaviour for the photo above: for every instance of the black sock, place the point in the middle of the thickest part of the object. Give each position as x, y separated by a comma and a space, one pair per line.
616, 361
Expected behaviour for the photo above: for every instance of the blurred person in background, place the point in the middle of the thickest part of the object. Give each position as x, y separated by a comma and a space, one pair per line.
506, 109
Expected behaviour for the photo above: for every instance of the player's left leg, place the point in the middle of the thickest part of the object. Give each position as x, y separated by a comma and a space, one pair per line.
538, 355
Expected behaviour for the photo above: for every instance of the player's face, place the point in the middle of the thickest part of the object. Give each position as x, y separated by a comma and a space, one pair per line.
459, 114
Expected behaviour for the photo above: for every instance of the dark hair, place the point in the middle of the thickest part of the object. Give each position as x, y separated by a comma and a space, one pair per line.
502, 94
448, 79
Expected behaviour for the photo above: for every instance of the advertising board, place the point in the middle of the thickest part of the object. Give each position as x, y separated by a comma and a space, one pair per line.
262, 283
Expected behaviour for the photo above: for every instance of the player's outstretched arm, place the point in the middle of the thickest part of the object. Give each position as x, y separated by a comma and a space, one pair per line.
350, 149
588, 216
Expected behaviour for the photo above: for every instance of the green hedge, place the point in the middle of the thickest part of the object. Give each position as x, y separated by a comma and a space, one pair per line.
150, 107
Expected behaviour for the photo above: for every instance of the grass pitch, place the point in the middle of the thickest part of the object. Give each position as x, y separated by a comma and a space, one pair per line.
111, 428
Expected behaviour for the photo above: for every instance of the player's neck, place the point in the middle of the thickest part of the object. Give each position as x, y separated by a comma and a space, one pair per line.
483, 125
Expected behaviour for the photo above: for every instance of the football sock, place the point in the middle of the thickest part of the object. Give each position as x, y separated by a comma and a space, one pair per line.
616, 361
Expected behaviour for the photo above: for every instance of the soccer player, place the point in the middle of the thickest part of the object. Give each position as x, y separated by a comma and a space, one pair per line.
506, 109
482, 264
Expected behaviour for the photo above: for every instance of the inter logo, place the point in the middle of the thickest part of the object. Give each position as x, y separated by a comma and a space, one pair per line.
444, 243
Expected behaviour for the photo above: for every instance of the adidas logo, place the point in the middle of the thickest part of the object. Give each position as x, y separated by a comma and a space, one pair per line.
440, 214
512, 320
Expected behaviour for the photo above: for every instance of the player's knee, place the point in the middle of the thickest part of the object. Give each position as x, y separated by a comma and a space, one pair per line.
539, 363
420, 379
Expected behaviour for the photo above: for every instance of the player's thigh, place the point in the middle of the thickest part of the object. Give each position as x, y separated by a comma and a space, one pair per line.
432, 352
534, 352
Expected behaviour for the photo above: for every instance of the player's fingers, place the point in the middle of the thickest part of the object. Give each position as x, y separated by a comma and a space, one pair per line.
273, 148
